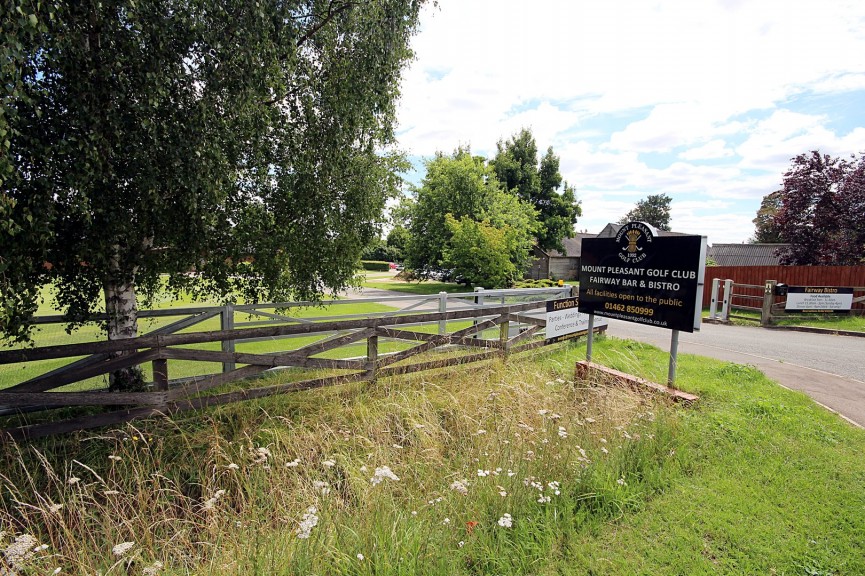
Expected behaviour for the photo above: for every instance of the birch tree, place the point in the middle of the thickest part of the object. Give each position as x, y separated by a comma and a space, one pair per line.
227, 147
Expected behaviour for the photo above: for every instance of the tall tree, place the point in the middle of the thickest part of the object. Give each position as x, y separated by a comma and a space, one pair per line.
654, 210
820, 213
240, 140
765, 229
460, 196
540, 184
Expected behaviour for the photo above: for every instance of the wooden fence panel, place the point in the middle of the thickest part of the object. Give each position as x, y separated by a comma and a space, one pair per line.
852, 276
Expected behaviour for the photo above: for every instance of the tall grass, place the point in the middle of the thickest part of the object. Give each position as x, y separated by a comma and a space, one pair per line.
509, 469
228, 491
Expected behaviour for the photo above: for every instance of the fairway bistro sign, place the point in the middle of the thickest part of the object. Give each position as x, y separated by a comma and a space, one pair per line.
828, 299
642, 277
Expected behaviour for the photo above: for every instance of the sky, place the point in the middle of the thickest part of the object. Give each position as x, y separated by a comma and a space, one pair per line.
705, 101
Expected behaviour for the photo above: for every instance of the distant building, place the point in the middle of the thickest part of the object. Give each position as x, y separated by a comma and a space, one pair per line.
554, 264
746, 254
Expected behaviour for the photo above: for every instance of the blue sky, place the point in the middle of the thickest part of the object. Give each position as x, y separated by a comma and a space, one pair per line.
705, 101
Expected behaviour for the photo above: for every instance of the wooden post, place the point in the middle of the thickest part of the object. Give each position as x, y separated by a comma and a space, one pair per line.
160, 374
227, 317
713, 304
504, 332
768, 302
443, 307
727, 301
479, 300
371, 357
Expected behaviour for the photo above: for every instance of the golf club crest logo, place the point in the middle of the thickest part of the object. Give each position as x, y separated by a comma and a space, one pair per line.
634, 240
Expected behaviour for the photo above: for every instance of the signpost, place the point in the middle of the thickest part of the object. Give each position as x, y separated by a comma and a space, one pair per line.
639, 276
828, 299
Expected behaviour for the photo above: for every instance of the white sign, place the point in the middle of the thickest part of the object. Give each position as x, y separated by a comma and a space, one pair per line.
564, 320
818, 299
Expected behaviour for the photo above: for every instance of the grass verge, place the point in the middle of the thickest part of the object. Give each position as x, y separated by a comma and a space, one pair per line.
513, 469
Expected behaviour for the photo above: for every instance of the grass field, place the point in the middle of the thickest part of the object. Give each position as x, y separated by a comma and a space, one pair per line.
512, 469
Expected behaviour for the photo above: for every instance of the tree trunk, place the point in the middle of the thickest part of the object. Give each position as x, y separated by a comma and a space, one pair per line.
122, 311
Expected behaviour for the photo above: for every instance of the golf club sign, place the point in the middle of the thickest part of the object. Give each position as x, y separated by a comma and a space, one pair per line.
641, 277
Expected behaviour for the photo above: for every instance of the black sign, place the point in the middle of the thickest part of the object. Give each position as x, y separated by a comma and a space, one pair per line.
641, 277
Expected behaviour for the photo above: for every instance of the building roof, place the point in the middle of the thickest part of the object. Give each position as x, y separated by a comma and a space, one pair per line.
573, 246
611, 229
746, 254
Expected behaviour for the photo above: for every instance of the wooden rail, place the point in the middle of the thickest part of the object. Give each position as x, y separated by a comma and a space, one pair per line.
519, 326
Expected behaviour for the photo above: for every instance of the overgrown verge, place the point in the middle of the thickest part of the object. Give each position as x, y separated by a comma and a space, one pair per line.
513, 469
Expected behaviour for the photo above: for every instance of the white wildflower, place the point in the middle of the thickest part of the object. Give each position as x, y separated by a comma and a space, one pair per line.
590, 420
73, 480
461, 486
461, 543
19, 551
233, 466
621, 482
544, 499
360, 557
115, 458
483, 473
554, 486
446, 521
480, 432
397, 446
604, 450
293, 464
321, 487
210, 503
381, 473
41, 548
364, 469
506, 521
329, 463
414, 512
562, 432
511, 473
543, 412
307, 523
55, 508
555, 416
153, 569
122, 548
502, 492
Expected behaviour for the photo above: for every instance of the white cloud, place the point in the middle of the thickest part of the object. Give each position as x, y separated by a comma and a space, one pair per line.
710, 150
708, 82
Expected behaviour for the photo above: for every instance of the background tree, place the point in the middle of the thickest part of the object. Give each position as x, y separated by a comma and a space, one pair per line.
397, 241
820, 212
237, 139
540, 184
654, 210
765, 229
464, 188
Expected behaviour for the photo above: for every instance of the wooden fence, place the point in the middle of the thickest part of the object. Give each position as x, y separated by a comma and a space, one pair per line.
410, 332
791, 275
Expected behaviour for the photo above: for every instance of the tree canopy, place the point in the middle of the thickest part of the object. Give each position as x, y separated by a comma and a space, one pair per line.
764, 224
240, 141
654, 210
820, 210
462, 224
540, 184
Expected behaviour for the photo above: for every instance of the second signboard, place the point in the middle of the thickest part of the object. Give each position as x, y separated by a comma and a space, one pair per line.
639, 276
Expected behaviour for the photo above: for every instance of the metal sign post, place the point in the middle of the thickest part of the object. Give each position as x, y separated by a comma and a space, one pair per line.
590, 337
674, 358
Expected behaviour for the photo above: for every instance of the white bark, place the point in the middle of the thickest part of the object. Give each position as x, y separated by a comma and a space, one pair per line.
122, 310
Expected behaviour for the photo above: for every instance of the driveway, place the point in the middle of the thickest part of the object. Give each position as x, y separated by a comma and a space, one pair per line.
827, 367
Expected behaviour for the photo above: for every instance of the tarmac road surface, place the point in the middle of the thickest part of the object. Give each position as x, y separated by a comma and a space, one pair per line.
829, 368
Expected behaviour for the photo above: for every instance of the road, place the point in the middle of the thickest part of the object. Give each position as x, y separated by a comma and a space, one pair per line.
829, 368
